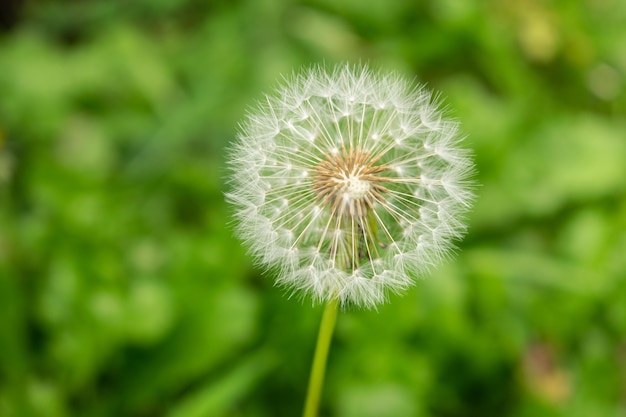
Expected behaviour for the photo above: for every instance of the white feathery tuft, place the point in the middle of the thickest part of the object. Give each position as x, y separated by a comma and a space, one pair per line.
349, 183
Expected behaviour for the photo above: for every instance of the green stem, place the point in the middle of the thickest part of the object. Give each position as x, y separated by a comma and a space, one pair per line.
316, 380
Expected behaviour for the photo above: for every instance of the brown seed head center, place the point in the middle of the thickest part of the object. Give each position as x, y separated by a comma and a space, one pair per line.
349, 181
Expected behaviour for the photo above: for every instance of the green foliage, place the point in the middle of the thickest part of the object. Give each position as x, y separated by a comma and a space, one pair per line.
122, 291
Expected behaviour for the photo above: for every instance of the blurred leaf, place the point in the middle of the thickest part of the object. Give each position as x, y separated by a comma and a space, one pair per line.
221, 395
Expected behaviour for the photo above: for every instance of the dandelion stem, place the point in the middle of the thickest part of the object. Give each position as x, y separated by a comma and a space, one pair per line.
318, 369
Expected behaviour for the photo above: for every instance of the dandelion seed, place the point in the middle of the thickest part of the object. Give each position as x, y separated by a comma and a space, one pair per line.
363, 184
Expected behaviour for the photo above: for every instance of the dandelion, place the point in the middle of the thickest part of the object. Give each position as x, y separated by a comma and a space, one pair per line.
349, 184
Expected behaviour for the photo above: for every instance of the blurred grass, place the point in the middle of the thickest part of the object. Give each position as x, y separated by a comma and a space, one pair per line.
123, 293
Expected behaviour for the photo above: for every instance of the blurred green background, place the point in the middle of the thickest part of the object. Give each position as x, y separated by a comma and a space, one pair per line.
122, 292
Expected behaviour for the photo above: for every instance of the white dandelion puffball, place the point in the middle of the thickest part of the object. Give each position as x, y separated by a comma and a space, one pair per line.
349, 184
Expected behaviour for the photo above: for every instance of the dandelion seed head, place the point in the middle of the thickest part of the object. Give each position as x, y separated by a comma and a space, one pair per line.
349, 184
